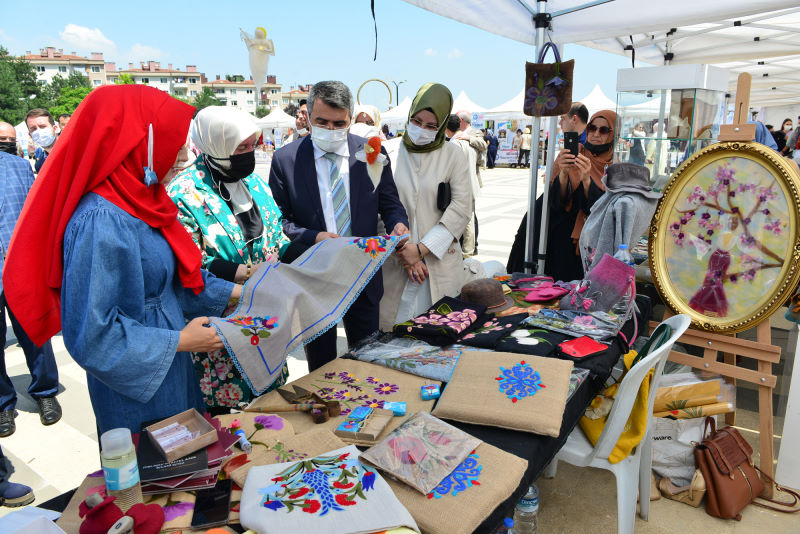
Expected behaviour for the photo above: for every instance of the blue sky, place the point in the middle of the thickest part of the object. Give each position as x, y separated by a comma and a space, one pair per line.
314, 40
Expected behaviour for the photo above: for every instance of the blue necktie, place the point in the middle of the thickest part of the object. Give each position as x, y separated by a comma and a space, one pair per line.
341, 208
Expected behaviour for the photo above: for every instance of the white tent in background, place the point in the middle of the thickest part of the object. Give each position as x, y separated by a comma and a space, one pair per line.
276, 119
398, 114
463, 102
596, 100
512, 109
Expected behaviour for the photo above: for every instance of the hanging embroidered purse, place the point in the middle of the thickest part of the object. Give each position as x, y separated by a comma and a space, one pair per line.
548, 86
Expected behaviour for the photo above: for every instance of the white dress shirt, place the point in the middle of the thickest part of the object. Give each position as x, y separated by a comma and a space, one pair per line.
323, 166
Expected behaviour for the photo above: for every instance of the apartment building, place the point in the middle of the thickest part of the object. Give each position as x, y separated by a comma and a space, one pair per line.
182, 83
50, 62
295, 95
239, 92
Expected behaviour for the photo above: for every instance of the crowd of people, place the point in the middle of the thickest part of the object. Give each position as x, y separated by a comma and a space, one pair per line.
146, 231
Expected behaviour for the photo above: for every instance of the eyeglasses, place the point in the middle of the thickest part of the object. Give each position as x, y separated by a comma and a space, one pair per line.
426, 125
602, 129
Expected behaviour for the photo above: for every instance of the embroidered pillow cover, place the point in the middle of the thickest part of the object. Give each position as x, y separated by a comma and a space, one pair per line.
520, 392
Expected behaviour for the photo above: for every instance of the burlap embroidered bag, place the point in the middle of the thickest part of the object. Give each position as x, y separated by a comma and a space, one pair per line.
468, 495
548, 86
501, 389
353, 383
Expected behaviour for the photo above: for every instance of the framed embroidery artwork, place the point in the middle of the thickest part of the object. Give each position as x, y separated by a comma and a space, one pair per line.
724, 239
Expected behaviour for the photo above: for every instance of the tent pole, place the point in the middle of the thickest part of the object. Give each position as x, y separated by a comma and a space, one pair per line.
538, 266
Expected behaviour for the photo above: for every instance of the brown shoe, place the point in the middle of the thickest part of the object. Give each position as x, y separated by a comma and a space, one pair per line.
692, 494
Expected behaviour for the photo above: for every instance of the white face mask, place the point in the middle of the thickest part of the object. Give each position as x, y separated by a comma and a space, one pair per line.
329, 140
43, 137
420, 136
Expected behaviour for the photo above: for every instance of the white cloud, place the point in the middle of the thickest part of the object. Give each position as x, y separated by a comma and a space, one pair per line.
87, 39
431, 52
140, 52
454, 54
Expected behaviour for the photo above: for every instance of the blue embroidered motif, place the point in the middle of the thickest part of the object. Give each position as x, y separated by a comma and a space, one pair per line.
463, 477
520, 381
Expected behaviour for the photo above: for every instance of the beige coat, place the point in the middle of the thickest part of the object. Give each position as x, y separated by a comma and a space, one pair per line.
417, 176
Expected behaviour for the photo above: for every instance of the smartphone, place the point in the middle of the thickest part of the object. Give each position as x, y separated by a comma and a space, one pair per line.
571, 142
212, 506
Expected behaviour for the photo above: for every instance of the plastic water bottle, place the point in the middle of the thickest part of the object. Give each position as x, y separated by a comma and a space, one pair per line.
623, 255
525, 514
120, 469
508, 527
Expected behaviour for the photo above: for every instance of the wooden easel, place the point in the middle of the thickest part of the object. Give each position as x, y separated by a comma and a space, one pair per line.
729, 346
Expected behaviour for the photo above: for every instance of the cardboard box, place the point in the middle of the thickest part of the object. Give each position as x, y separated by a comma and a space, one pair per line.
365, 428
194, 422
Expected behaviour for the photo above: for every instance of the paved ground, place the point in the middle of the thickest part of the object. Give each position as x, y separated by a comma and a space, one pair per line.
55, 459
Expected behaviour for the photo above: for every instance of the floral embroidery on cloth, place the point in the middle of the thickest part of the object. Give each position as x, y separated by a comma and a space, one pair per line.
319, 485
328, 493
371, 245
255, 327
463, 477
442, 323
519, 381
352, 392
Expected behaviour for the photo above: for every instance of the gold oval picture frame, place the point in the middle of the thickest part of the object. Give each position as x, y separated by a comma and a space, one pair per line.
723, 243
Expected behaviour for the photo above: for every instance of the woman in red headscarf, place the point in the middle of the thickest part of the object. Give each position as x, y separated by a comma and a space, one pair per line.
99, 254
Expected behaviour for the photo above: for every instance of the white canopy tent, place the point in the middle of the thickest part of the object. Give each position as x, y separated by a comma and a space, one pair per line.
398, 115
276, 119
738, 34
463, 102
596, 100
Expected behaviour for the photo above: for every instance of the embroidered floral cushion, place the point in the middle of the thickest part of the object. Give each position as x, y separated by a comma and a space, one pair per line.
464, 498
443, 323
532, 340
328, 494
353, 383
421, 452
520, 392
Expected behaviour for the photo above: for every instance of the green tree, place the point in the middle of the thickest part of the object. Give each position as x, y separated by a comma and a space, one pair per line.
53, 91
68, 100
206, 98
17, 84
262, 111
125, 79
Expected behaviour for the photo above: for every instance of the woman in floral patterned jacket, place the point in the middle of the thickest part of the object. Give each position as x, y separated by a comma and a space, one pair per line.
231, 215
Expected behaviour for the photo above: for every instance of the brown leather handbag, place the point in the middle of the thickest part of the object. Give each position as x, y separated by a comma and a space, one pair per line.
732, 480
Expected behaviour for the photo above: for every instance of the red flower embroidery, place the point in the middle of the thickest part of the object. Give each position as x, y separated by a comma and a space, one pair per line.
343, 500
311, 506
300, 493
343, 486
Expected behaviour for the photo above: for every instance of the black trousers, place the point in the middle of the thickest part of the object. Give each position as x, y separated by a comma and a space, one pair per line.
526, 154
360, 321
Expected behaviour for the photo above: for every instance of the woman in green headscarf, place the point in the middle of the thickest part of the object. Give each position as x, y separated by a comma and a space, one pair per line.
430, 264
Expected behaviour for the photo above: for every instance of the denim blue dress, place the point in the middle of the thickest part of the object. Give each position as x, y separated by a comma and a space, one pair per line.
122, 309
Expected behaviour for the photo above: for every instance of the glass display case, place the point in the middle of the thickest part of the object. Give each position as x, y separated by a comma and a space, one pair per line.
665, 114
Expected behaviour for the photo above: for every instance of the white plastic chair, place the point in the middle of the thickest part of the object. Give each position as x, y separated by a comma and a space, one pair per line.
579, 452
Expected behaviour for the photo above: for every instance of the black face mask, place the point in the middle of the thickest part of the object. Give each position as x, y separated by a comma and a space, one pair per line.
242, 166
597, 149
8, 146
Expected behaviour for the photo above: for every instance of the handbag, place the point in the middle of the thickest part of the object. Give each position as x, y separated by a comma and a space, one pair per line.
548, 86
732, 481
443, 196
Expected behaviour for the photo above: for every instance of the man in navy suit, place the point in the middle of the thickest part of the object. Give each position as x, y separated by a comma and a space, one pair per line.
323, 191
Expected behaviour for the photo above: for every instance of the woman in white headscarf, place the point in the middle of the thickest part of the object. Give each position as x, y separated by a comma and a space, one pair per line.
231, 215
366, 121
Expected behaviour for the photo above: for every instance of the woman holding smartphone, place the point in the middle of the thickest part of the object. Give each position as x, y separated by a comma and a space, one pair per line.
576, 186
